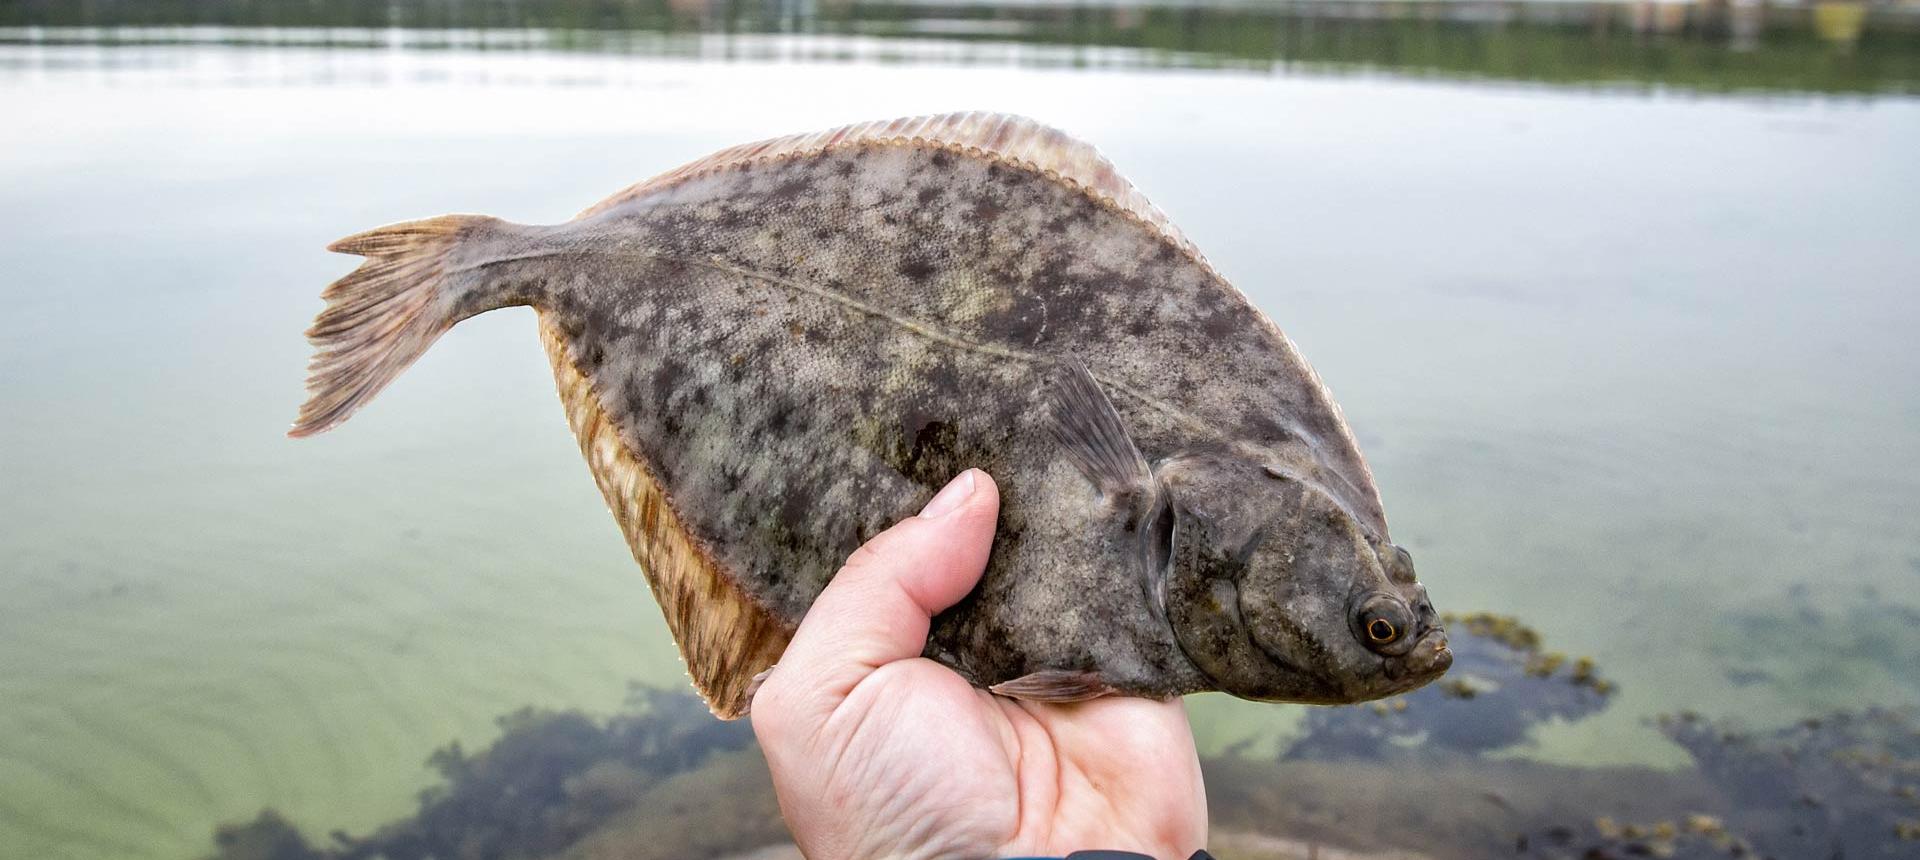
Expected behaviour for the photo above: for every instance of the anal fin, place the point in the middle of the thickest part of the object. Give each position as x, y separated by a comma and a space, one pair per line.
725, 638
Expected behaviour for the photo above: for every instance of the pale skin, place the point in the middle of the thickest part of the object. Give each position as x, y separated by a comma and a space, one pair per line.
877, 752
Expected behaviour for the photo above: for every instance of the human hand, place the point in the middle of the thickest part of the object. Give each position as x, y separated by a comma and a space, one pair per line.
878, 752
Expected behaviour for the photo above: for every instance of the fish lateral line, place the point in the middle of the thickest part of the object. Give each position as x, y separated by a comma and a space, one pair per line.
926, 330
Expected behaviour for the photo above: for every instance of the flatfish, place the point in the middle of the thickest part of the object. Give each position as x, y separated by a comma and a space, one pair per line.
775, 352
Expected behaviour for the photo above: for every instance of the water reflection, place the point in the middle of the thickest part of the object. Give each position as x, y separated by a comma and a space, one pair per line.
1831, 46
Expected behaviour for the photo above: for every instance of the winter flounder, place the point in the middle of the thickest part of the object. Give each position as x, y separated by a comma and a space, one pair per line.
775, 352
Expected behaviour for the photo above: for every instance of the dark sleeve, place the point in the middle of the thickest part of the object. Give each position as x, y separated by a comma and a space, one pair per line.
1111, 855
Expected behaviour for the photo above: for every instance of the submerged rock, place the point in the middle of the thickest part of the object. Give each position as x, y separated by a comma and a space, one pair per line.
1456, 808
1843, 786
1846, 785
1696, 837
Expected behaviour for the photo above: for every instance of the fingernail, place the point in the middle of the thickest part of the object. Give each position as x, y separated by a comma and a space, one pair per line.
950, 497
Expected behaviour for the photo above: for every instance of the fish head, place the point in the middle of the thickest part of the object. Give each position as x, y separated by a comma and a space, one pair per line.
1276, 592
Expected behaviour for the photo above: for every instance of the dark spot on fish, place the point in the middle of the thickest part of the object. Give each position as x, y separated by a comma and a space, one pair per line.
1052, 276
1222, 323
797, 513
985, 209
777, 417
792, 188
941, 159
666, 379
1022, 321
917, 269
760, 348
927, 195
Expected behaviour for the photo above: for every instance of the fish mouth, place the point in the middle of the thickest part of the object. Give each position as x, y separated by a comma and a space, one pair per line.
1429, 658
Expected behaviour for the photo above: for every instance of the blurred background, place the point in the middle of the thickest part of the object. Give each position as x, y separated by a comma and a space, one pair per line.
1621, 299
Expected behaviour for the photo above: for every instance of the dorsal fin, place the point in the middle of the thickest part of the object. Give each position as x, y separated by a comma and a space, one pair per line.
1010, 139
724, 637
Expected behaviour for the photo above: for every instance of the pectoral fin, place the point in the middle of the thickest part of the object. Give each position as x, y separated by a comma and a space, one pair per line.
1054, 686
1084, 422
1088, 428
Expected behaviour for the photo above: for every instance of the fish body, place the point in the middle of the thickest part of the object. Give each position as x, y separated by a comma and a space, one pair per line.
774, 353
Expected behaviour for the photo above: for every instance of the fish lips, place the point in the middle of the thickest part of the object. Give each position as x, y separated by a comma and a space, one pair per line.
1429, 658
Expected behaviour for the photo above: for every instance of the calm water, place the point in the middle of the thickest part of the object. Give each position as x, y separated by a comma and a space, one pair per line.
1629, 341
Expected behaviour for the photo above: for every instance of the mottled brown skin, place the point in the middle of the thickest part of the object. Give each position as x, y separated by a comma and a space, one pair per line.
803, 351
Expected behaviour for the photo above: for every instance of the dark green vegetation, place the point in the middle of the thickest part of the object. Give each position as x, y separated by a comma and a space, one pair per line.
556, 783
1409, 775
1839, 48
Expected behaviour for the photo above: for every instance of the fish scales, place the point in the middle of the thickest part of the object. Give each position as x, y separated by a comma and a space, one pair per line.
775, 353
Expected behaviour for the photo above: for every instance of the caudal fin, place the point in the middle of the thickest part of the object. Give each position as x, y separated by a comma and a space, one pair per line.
383, 315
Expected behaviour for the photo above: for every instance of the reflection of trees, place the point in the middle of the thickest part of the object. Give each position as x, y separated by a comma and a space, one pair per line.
1839, 46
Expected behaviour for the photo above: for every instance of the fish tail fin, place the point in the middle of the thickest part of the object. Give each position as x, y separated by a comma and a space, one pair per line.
382, 316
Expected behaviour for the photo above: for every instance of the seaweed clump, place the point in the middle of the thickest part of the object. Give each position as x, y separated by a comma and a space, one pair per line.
1502, 684
1847, 785
269, 836
552, 780
1696, 836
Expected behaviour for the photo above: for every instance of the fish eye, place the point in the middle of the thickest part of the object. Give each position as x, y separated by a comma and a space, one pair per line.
1381, 631
1383, 623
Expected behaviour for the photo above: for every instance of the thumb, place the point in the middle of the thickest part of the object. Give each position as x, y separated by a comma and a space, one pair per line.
878, 607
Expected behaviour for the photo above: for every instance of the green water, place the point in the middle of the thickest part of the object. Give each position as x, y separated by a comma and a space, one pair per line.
1631, 353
